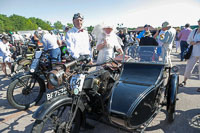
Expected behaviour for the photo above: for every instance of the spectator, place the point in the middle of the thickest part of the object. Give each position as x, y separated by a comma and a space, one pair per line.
5, 54
193, 39
77, 39
123, 38
141, 34
177, 42
131, 38
147, 40
168, 40
183, 36
106, 43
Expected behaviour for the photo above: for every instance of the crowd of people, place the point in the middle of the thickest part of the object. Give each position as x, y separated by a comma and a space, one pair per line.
78, 42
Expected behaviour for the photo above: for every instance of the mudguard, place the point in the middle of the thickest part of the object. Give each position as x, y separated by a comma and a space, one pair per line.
18, 76
48, 106
172, 92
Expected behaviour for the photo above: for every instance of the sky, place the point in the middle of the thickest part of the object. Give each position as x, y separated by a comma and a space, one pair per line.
130, 13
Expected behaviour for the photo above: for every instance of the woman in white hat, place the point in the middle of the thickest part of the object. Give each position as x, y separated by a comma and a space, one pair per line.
107, 40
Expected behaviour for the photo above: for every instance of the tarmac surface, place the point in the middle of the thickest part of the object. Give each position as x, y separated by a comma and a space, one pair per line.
187, 110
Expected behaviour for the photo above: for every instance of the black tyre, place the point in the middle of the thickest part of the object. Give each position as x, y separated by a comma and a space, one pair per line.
172, 96
57, 120
25, 92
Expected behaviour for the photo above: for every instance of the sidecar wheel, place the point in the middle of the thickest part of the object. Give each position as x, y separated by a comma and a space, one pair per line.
171, 97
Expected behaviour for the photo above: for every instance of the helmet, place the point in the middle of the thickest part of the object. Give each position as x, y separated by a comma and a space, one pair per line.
38, 34
5, 37
78, 15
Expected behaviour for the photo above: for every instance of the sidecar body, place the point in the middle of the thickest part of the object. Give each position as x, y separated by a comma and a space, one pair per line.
136, 97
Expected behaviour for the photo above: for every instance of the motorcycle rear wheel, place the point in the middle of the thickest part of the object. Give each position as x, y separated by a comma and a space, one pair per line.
57, 120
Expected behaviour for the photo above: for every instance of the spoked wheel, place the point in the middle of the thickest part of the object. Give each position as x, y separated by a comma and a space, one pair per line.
57, 121
25, 92
171, 97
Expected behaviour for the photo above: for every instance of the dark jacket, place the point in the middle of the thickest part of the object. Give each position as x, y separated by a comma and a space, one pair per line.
148, 41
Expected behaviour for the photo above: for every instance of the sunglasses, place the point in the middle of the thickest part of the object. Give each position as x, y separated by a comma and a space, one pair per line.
78, 15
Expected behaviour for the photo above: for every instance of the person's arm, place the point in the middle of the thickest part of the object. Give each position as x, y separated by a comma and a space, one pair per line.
101, 45
190, 38
156, 34
71, 46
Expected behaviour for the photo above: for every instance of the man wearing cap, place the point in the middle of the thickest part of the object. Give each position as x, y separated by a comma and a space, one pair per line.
168, 40
146, 28
77, 39
147, 40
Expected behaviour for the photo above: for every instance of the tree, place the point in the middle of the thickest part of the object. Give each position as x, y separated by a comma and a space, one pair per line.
70, 25
90, 29
58, 25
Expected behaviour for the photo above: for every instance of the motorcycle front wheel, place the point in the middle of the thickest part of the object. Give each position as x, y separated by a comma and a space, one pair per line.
25, 92
57, 120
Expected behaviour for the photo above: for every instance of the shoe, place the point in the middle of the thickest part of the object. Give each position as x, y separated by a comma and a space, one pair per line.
182, 84
198, 89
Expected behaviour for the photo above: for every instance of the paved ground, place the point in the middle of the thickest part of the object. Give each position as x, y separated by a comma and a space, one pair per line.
187, 113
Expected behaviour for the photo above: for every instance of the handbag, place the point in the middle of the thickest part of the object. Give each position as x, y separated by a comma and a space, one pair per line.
188, 52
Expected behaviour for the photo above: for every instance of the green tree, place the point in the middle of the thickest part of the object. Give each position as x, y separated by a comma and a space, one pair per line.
58, 25
90, 29
70, 25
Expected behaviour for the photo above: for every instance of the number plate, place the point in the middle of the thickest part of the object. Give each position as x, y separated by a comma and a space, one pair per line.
76, 82
56, 93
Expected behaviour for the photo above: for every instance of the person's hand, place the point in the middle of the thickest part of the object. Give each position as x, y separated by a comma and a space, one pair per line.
193, 43
104, 43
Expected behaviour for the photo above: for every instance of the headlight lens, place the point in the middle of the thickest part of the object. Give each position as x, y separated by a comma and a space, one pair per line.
56, 77
53, 79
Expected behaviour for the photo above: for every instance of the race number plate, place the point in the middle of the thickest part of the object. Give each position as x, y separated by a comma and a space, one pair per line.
76, 83
56, 93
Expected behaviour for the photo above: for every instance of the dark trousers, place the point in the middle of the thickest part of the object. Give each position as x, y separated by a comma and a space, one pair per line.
184, 45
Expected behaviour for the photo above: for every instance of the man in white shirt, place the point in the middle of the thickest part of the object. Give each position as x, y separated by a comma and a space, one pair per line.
168, 40
77, 39
50, 42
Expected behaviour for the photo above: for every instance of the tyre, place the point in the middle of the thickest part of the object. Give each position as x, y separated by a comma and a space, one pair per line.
57, 120
25, 92
171, 98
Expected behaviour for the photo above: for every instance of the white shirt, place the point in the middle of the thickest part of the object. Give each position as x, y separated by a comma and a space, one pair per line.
78, 43
17, 37
108, 51
49, 41
196, 48
160, 37
4, 49
169, 38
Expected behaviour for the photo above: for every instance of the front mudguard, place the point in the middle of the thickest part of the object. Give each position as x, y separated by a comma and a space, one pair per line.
49, 106
172, 93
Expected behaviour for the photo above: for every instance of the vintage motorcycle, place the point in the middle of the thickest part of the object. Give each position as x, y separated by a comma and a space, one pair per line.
27, 88
22, 63
129, 101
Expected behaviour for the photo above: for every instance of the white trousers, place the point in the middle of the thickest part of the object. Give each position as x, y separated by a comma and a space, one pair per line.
190, 66
167, 57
